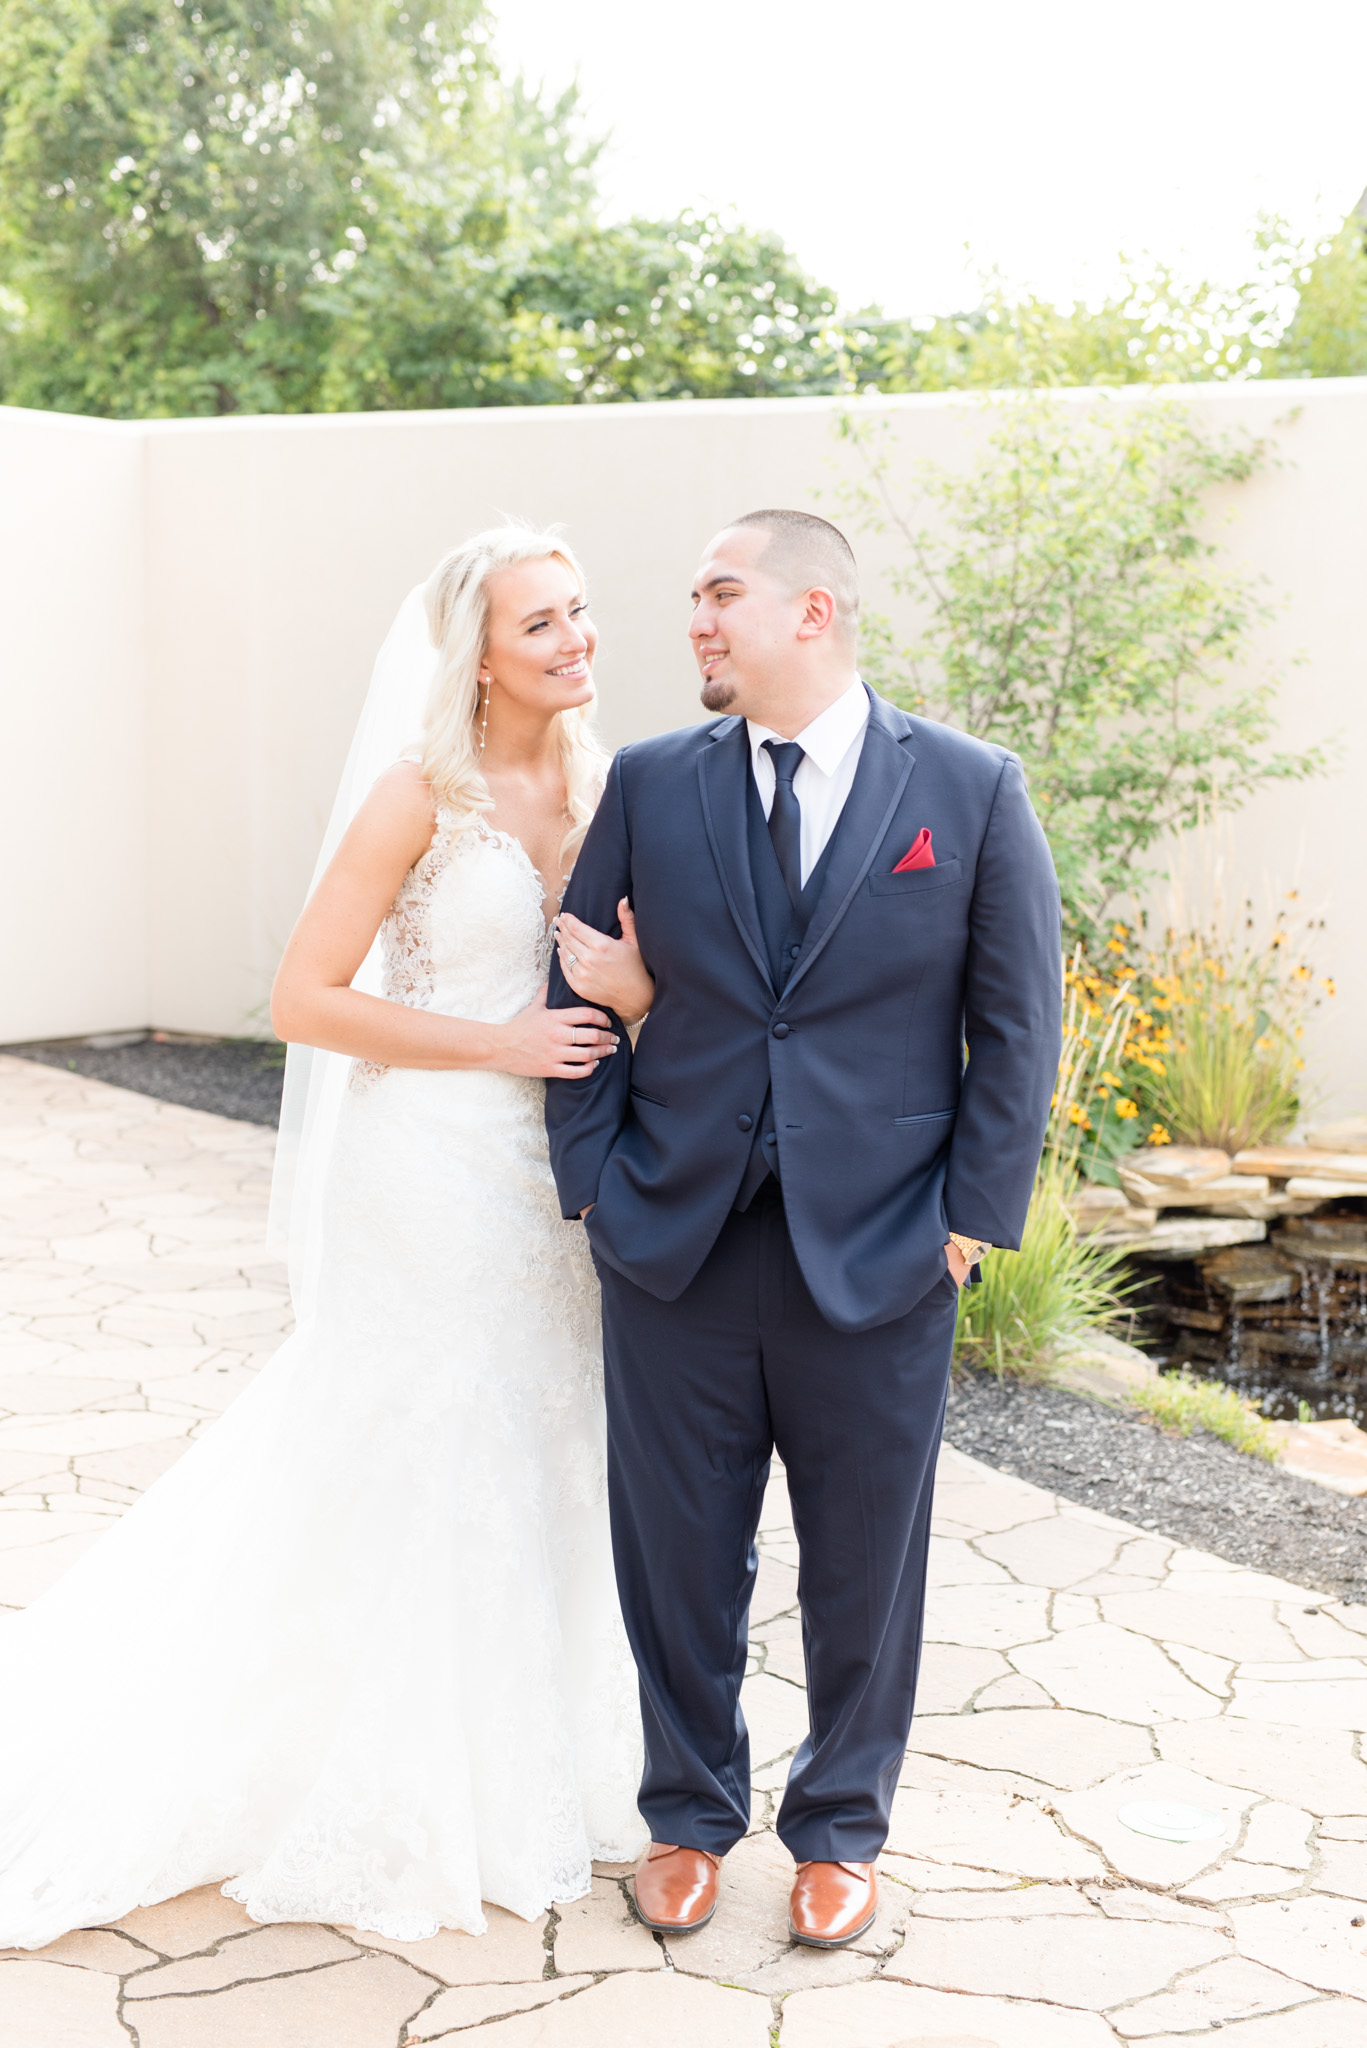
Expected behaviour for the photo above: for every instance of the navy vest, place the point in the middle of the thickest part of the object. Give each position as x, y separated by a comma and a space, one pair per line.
783, 924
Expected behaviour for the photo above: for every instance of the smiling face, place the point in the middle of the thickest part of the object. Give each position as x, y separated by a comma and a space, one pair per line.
541, 641
745, 621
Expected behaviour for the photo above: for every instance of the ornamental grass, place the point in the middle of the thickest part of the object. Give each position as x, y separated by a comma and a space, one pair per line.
1182, 1403
1233, 1074
1058, 1286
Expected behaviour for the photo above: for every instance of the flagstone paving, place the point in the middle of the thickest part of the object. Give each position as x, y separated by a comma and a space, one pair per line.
1073, 1665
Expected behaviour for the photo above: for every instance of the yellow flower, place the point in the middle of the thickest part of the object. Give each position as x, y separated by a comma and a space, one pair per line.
1158, 1136
1328, 986
1114, 946
1107, 1075
1125, 1108
1122, 931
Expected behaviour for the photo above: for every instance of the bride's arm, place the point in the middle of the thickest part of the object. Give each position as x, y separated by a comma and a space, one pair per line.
313, 1002
605, 970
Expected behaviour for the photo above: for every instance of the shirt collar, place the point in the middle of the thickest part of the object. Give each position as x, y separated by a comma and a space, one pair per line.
831, 734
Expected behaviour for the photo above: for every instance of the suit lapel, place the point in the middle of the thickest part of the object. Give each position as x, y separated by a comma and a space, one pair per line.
885, 766
722, 771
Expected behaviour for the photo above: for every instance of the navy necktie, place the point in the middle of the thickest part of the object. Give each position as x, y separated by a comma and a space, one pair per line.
785, 818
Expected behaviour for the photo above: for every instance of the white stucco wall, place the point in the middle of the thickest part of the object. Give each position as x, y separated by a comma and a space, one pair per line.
192, 607
73, 744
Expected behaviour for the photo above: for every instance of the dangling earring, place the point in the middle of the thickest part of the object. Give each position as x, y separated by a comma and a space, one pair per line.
484, 727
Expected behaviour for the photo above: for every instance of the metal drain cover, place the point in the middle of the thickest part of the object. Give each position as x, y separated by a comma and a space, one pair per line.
1168, 1821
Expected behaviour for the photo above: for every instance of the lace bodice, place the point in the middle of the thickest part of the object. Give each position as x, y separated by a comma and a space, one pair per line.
467, 933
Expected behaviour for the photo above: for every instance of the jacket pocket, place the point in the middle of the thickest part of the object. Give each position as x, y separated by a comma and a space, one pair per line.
929, 1116
642, 1095
916, 879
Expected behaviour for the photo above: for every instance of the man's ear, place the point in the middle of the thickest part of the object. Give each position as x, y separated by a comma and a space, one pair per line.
818, 614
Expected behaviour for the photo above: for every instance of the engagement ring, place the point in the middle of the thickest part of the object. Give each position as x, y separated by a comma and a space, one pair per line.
571, 960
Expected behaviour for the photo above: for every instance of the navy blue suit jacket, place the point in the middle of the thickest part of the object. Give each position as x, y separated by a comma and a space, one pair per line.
886, 1139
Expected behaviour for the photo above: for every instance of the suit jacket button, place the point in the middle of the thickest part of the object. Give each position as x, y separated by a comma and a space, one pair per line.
780, 1030
745, 1123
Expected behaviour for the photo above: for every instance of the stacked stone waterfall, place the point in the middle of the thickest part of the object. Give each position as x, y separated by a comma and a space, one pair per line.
1261, 1257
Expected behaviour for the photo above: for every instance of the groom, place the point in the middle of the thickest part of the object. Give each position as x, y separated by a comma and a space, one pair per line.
787, 1182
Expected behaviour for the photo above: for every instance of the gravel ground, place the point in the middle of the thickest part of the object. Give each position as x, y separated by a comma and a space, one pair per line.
238, 1077
1194, 1490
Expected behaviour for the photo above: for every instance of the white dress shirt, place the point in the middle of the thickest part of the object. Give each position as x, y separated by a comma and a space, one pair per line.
831, 746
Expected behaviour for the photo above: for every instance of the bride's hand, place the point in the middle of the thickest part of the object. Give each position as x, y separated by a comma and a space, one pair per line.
605, 970
560, 1045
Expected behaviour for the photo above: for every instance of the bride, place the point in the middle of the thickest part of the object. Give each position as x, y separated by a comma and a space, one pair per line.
359, 1654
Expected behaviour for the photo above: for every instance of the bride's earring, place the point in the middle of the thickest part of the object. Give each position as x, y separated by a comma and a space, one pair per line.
488, 683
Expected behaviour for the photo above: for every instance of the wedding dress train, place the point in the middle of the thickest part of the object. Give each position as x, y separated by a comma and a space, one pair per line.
359, 1653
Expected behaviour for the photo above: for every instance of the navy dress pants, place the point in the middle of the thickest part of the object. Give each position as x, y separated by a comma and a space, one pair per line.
700, 1391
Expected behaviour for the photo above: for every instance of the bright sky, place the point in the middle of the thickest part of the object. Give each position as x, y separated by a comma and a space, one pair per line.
881, 136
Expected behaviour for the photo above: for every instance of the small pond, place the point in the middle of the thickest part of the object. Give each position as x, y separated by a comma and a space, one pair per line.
1285, 1322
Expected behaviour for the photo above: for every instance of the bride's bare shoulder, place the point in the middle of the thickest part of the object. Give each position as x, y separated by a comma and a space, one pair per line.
405, 783
402, 797
397, 819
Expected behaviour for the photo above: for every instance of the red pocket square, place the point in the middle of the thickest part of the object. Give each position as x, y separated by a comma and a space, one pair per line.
918, 854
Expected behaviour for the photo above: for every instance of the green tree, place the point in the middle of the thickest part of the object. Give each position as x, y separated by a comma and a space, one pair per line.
684, 308
650, 309
1301, 312
1154, 329
184, 185
1076, 611
1326, 281
298, 205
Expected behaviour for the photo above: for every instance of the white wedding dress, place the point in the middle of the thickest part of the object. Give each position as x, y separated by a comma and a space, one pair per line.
359, 1653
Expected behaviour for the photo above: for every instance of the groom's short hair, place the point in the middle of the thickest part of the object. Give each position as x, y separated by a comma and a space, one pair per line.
806, 553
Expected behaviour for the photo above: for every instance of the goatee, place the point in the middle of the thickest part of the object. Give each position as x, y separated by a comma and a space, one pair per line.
718, 696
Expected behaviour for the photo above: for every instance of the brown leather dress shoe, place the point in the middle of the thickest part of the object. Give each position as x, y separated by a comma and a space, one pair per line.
676, 1888
832, 1903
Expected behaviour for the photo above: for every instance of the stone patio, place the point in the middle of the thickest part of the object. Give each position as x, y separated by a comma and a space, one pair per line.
1074, 1665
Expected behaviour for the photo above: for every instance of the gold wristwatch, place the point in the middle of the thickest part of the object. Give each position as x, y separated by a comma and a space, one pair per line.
971, 1248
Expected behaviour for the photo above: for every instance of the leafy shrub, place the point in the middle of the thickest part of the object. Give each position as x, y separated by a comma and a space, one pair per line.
1075, 610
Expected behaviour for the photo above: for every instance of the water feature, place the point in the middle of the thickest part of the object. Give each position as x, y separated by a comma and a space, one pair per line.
1285, 1322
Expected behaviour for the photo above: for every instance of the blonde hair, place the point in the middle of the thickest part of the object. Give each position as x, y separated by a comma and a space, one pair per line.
457, 600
